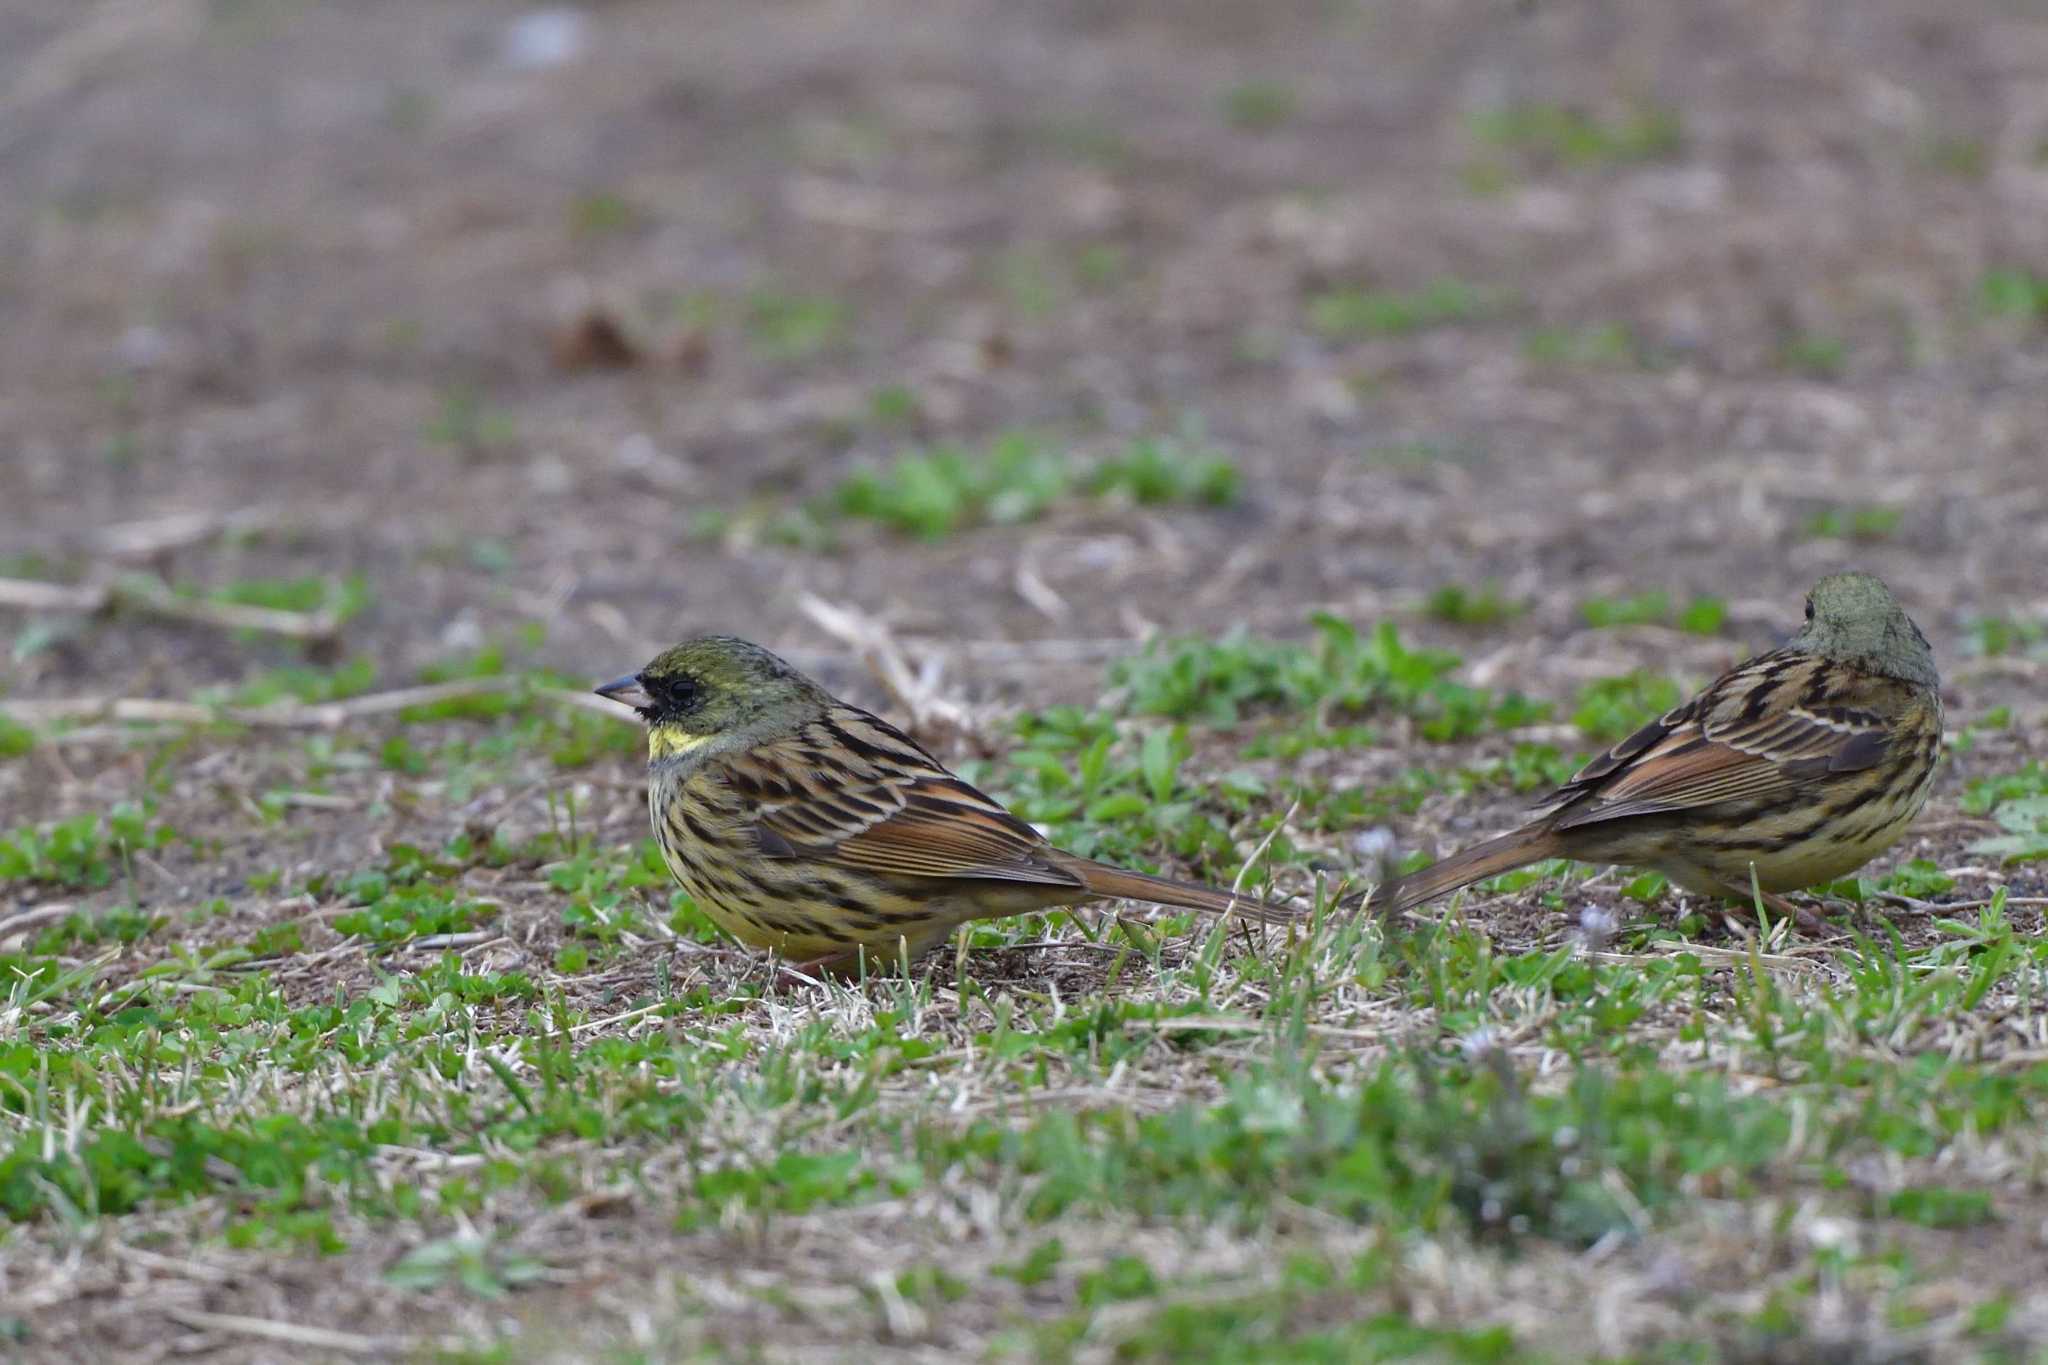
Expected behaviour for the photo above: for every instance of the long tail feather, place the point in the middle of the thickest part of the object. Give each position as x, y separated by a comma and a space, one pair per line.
1103, 880
1490, 859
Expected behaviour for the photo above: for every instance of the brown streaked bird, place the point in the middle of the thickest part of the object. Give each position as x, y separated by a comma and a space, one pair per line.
1802, 764
807, 826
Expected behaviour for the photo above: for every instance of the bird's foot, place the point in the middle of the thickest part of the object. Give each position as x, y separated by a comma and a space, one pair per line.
791, 977
1806, 917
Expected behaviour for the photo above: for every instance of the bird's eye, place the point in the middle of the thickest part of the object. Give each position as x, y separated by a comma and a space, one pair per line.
681, 694
1809, 608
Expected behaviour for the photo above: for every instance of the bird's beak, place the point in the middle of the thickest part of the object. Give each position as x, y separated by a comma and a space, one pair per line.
627, 690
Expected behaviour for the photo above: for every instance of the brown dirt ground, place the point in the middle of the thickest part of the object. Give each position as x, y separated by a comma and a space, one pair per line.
248, 249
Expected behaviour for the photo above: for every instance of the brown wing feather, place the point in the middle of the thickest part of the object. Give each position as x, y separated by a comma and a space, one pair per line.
966, 842
1763, 730
852, 789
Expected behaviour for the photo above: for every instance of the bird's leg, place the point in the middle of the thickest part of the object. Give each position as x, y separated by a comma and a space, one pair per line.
1806, 918
794, 976
849, 966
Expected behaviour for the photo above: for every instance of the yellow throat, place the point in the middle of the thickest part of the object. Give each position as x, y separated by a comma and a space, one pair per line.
666, 741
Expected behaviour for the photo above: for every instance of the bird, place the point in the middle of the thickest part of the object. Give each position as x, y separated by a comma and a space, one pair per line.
1791, 769
802, 824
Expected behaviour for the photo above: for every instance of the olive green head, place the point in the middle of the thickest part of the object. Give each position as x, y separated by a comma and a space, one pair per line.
1853, 617
716, 686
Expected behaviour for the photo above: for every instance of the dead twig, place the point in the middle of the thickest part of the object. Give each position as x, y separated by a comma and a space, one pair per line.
152, 596
297, 1334
285, 715
1920, 907
30, 919
916, 692
173, 1265
153, 537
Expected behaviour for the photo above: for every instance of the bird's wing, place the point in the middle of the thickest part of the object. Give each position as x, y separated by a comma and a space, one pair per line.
854, 790
1765, 729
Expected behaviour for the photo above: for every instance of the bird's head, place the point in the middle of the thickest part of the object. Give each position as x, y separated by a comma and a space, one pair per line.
715, 687
1853, 617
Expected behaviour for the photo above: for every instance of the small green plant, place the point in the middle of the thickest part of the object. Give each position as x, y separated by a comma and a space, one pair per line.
931, 494
1341, 671
2024, 822
1607, 345
16, 739
894, 405
343, 598
409, 897
1858, 521
601, 215
408, 109
1557, 135
465, 421
349, 679
1982, 795
1029, 284
1347, 314
1105, 795
1966, 158
83, 928
1614, 708
470, 1262
1700, 616
1919, 879
1649, 608
794, 327
1259, 106
1165, 470
1102, 265
1814, 355
82, 853
1995, 635
2013, 292
1463, 606
1422, 454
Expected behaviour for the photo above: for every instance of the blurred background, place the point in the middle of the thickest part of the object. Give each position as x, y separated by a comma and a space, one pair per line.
583, 328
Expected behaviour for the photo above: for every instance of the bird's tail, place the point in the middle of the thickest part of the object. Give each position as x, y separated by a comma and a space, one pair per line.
1103, 880
1490, 859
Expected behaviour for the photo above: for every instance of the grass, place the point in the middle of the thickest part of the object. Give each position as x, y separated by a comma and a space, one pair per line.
1036, 281
15, 739
1178, 1142
395, 1032
1962, 156
1606, 345
2013, 292
795, 327
1814, 355
1466, 606
1341, 672
1353, 313
1997, 635
344, 598
82, 853
1553, 135
1613, 708
602, 214
466, 421
1260, 106
934, 493
1699, 616
1854, 521
2018, 801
